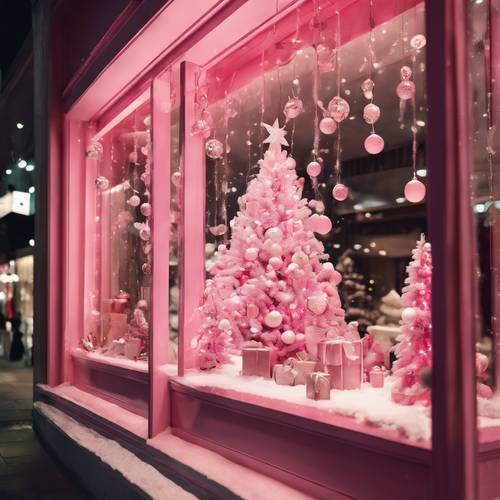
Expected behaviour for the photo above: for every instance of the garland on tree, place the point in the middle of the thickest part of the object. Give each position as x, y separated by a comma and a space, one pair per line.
414, 352
271, 285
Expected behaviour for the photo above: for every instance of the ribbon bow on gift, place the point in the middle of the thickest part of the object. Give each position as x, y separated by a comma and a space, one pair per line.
253, 344
319, 379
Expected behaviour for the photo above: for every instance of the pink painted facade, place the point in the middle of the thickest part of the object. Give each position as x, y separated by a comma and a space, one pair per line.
137, 94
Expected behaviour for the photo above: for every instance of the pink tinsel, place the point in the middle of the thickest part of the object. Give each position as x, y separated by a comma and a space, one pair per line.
414, 352
283, 272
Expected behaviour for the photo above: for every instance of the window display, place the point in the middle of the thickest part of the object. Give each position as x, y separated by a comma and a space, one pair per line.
119, 183
315, 166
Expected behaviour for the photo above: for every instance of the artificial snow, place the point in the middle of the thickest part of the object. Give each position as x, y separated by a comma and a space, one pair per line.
137, 472
120, 361
366, 405
120, 416
241, 480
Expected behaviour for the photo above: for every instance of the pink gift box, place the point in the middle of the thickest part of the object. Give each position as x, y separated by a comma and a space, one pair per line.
114, 326
343, 360
318, 385
377, 377
284, 374
256, 360
303, 364
132, 348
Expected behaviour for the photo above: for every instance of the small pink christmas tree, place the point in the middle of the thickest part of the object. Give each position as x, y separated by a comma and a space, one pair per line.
414, 352
271, 285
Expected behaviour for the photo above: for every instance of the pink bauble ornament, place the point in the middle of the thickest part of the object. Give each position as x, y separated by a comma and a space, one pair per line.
293, 108
374, 144
328, 125
273, 319
419, 41
133, 157
214, 149
320, 224
408, 314
145, 233
251, 254
288, 337
405, 90
415, 191
405, 72
146, 209
275, 262
290, 162
102, 183
146, 268
338, 108
317, 303
218, 230
134, 201
275, 250
371, 113
314, 168
325, 58
367, 88
224, 324
274, 234
340, 192
201, 127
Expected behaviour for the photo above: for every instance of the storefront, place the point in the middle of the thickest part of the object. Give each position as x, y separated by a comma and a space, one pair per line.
257, 214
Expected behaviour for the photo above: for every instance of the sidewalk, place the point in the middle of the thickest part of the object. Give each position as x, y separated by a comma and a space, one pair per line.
27, 472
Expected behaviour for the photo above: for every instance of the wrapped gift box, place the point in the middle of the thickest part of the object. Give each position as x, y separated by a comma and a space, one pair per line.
343, 360
132, 347
303, 364
318, 385
377, 377
256, 360
284, 374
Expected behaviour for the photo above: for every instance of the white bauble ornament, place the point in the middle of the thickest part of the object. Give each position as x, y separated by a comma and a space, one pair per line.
275, 262
288, 337
251, 254
317, 303
134, 201
408, 314
274, 234
224, 324
275, 250
273, 319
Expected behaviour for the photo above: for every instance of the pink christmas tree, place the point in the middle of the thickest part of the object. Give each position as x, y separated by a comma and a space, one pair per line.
271, 284
414, 352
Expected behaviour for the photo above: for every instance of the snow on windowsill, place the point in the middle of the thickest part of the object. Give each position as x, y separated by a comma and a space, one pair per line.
367, 406
241, 480
134, 470
119, 416
121, 362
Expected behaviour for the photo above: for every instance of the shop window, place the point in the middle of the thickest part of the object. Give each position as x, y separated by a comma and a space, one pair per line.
318, 268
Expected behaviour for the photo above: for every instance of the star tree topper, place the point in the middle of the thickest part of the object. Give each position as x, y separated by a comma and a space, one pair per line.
276, 137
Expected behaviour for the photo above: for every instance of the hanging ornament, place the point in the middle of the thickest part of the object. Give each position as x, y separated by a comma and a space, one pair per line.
218, 230
415, 191
214, 149
374, 144
325, 58
176, 179
418, 42
313, 169
201, 127
146, 268
328, 125
273, 319
338, 108
340, 192
94, 151
405, 88
371, 113
102, 183
288, 337
320, 224
293, 108
146, 209
133, 157
134, 201
367, 88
